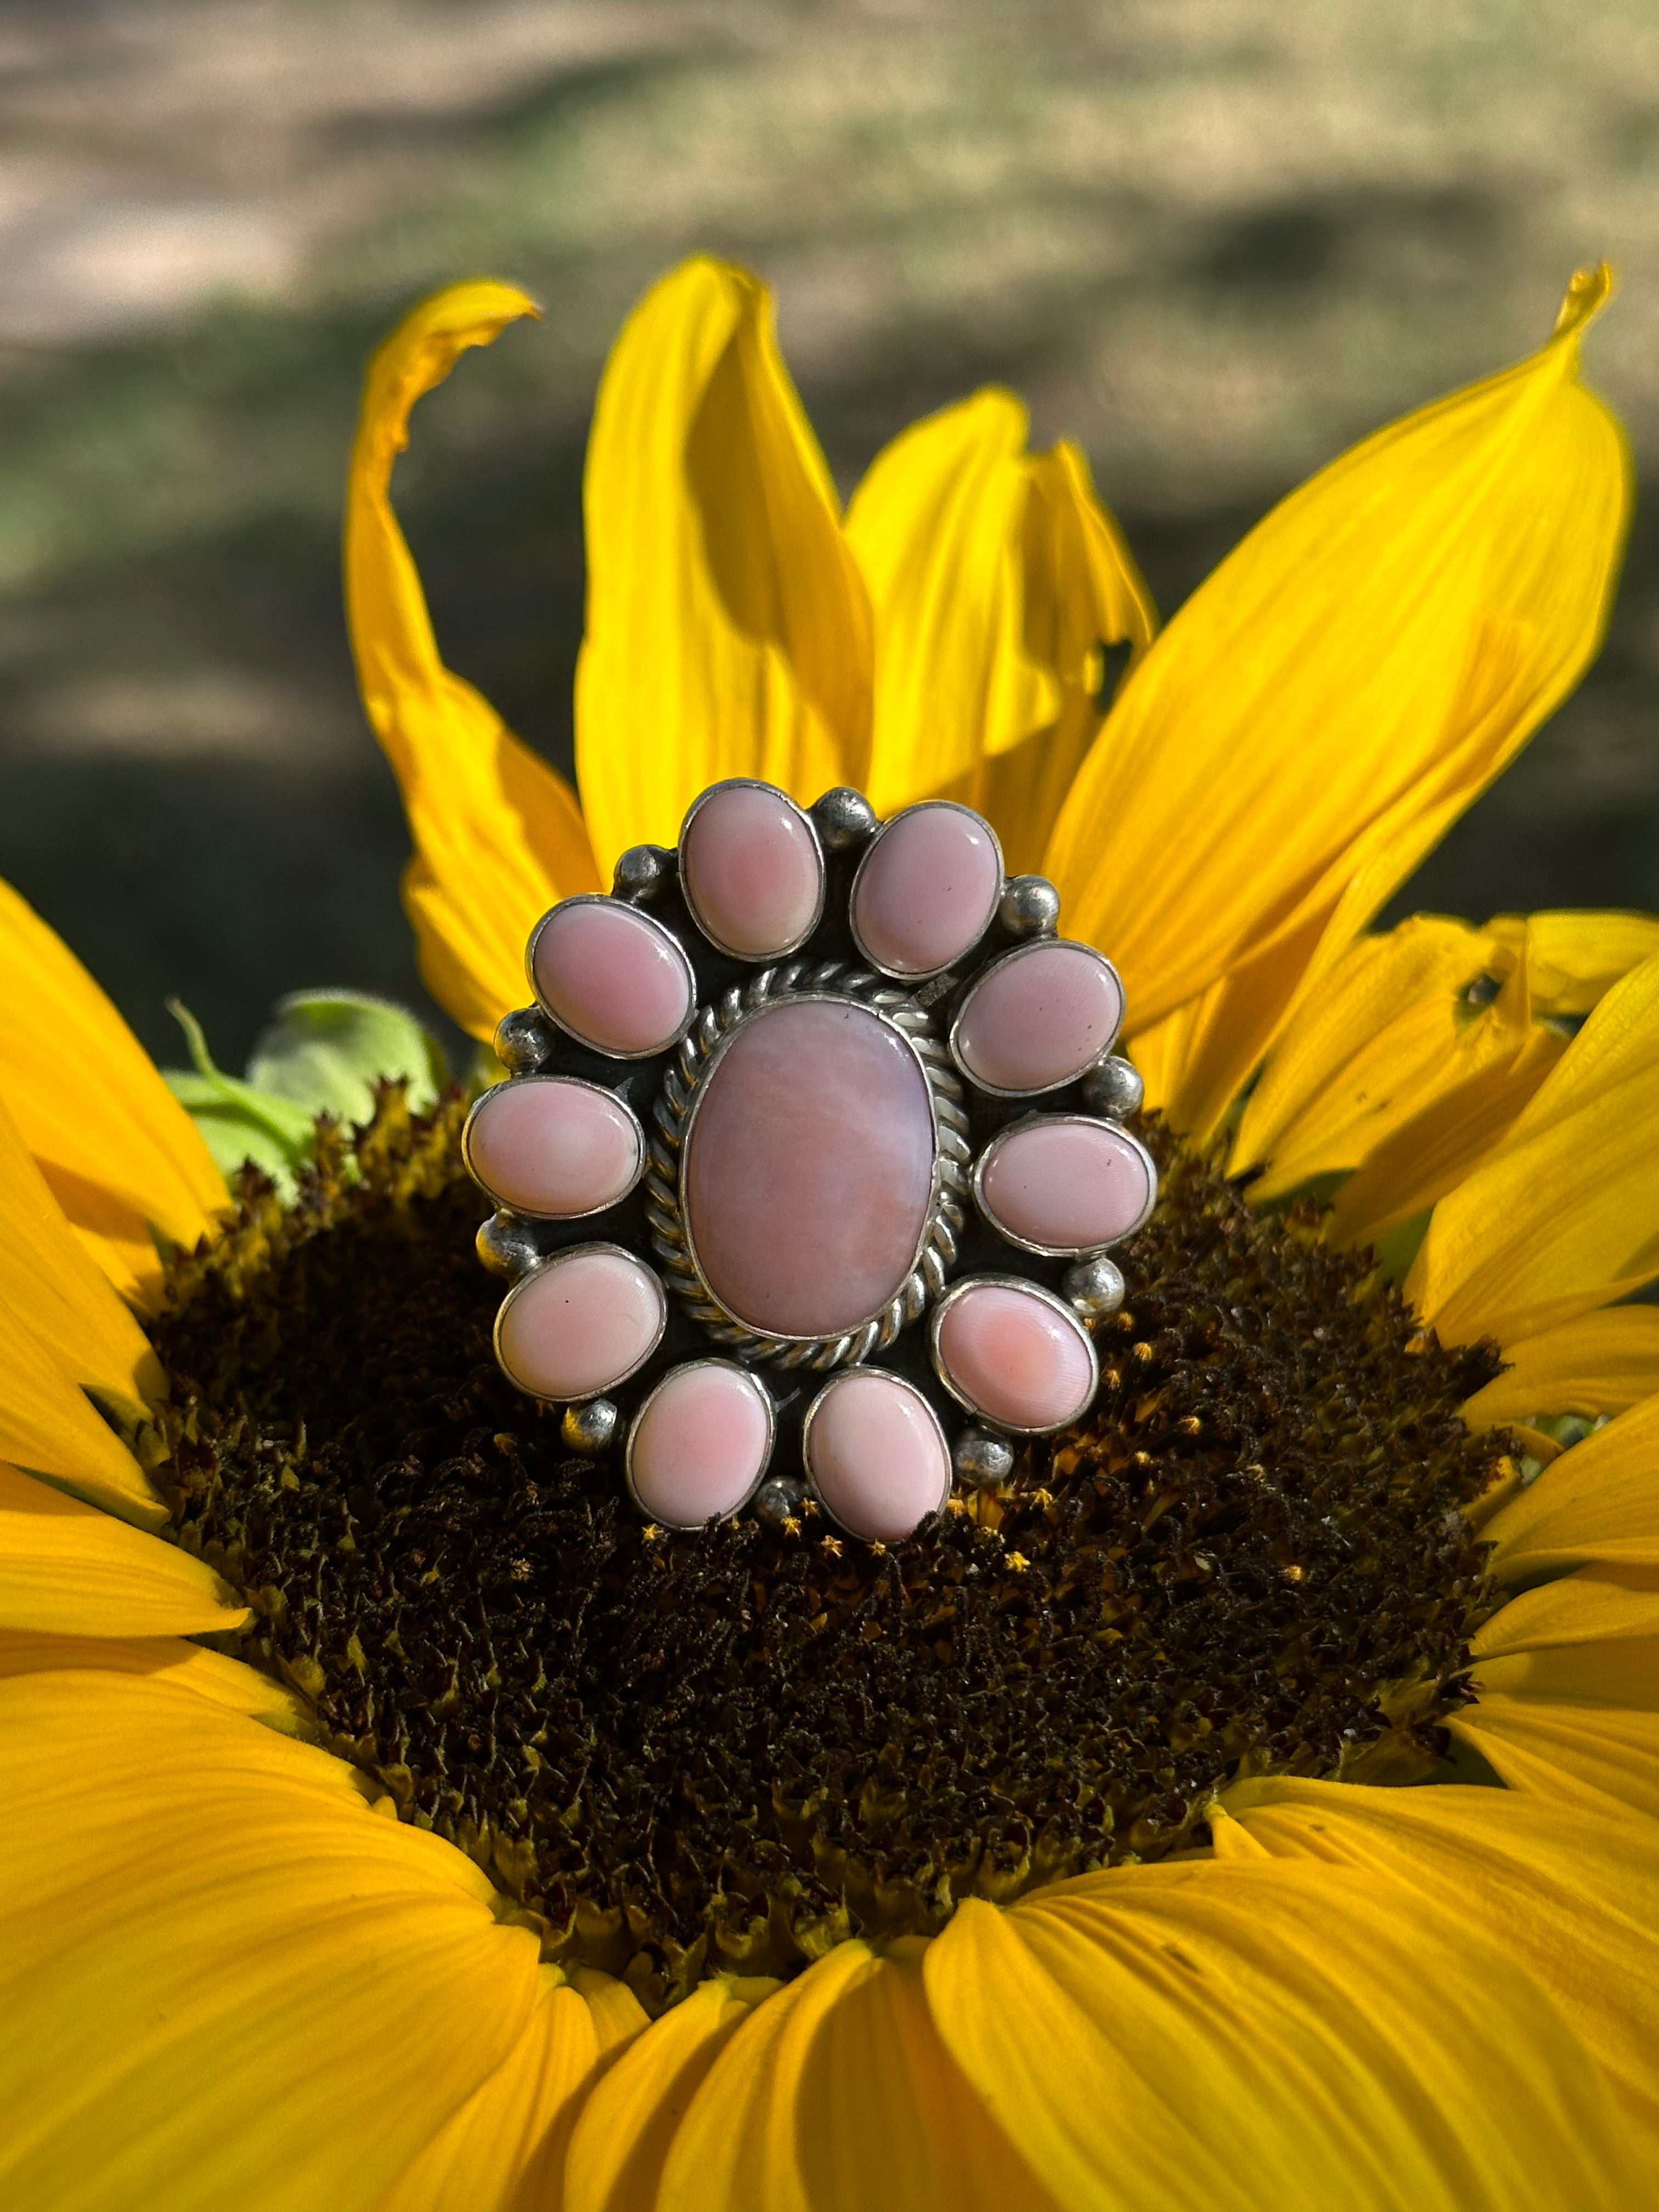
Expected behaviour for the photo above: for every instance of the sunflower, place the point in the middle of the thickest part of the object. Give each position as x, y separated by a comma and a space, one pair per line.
392, 1823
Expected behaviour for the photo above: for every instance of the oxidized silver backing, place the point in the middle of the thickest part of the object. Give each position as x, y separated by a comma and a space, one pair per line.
699, 1052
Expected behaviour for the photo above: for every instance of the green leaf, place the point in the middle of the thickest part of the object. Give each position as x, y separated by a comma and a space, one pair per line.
238, 1120
325, 1050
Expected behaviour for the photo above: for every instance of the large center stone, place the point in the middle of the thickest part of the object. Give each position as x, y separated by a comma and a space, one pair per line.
809, 1169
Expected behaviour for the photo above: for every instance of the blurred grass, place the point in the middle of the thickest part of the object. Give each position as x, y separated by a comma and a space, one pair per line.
1215, 239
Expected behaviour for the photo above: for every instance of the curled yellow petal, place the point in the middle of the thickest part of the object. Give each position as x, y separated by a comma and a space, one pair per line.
67, 1569
1598, 1501
1600, 1363
505, 2145
119, 1154
1576, 955
1563, 1216
728, 629
838, 2090
996, 578
48, 1426
497, 835
59, 1293
623, 2131
1345, 683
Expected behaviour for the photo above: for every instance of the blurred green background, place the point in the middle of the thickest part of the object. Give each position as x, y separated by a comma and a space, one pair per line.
1215, 239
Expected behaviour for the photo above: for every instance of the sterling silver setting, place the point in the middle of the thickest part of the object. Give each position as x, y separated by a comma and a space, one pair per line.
961, 1242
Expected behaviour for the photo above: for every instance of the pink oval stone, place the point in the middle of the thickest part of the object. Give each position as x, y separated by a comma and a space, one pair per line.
809, 1170
580, 1324
876, 1455
1014, 1358
546, 1145
926, 889
1039, 1017
612, 977
1066, 1185
753, 873
699, 1444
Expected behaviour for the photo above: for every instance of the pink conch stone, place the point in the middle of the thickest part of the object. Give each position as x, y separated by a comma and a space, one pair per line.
549, 1146
1015, 1357
580, 1325
809, 1169
927, 888
1039, 1018
1069, 1185
699, 1445
612, 977
875, 1453
753, 872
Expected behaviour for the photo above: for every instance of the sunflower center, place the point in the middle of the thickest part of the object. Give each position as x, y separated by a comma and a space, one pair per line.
732, 1748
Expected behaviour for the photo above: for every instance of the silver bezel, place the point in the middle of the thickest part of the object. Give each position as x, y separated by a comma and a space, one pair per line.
1027, 951
675, 1110
1009, 1282
554, 1261
765, 1396
752, 783
650, 921
1037, 1120
571, 1082
921, 1397
921, 975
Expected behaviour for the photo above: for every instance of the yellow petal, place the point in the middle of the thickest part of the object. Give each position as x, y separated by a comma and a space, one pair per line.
1600, 1501
1594, 1605
1576, 956
728, 629
1564, 1217
49, 1427
1353, 1064
225, 1980
119, 1152
1578, 1908
167, 1660
1346, 681
59, 1293
626, 2124
1598, 1364
505, 2148
995, 578
67, 1568
1245, 2032
1598, 1760
839, 2091
498, 836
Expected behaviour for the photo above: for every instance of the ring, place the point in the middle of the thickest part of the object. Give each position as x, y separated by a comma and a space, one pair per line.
808, 1164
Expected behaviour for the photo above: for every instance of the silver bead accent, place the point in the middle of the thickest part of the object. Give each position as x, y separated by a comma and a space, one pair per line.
1114, 1087
640, 871
590, 1429
843, 818
508, 1244
523, 1040
778, 1499
1029, 908
1094, 1287
980, 1460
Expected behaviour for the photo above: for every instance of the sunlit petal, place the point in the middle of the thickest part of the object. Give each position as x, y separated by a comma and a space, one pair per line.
728, 629
121, 1156
497, 833
1563, 1216
1332, 698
